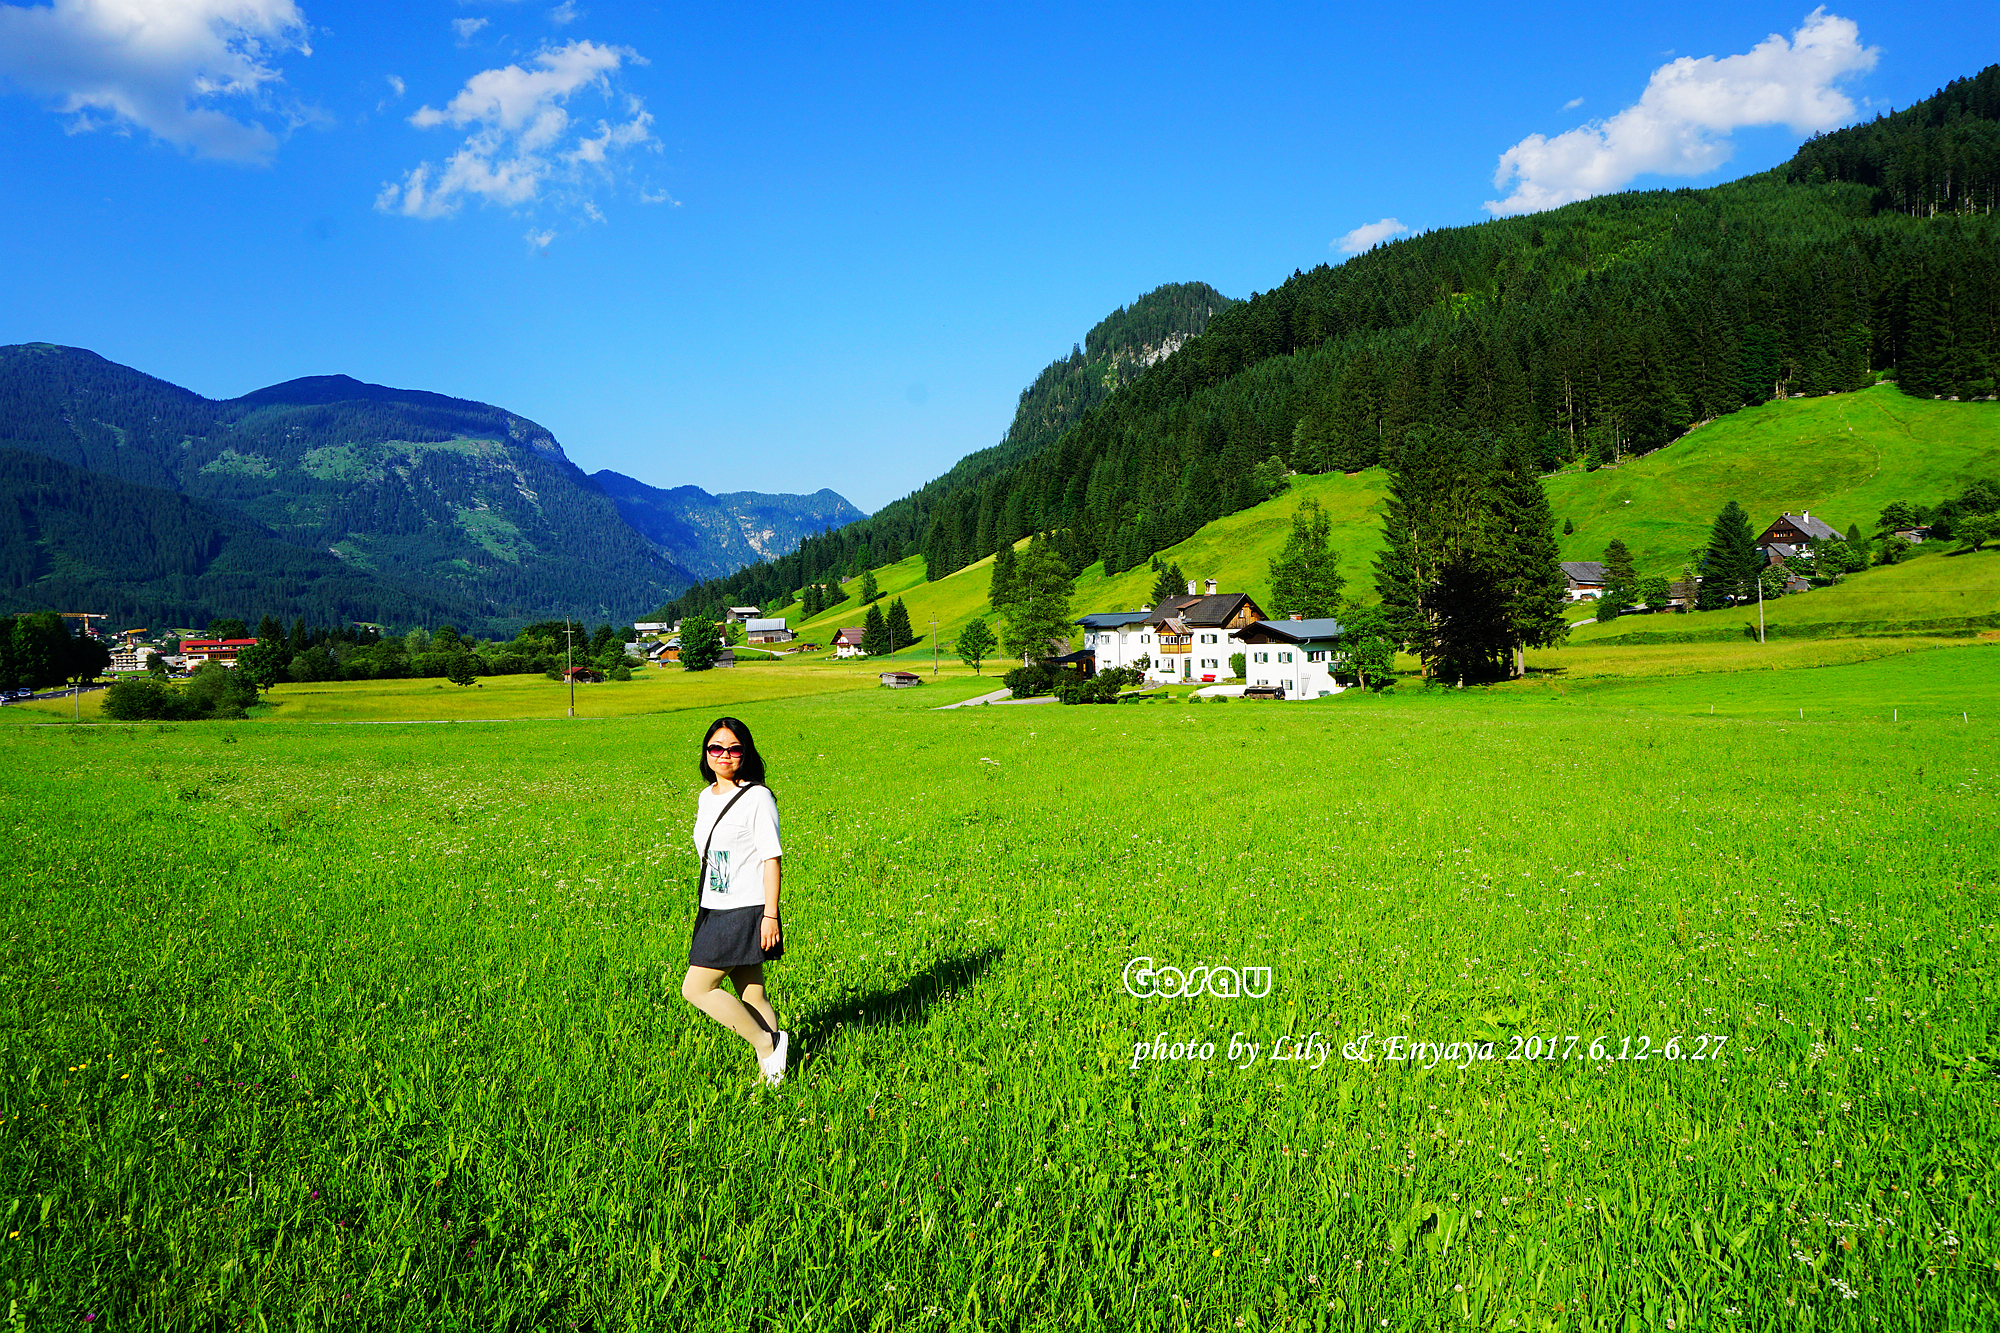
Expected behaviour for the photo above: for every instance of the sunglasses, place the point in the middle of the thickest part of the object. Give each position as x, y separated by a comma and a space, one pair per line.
719, 750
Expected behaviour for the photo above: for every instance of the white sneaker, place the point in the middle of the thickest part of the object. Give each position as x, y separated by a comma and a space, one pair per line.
773, 1064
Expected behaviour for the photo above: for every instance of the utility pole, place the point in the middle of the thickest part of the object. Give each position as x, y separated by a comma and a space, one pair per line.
934, 645
1760, 606
569, 662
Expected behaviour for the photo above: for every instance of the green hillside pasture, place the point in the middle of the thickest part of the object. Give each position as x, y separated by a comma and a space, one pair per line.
1843, 457
1235, 551
1932, 592
342, 1026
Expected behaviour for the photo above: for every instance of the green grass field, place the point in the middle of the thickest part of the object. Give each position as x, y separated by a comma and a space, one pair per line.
361, 1027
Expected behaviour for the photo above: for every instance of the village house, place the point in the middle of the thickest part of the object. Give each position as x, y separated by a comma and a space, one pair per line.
741, 614
1183, 638
1295, 655
1196, 634
196, 651
766, 631
847, 643
1117, 638
1799, 531
1583, 580
901, 680
129, 657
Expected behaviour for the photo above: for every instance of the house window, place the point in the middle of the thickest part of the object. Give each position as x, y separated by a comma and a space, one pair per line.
1315, 657
1260, 657
1145, 638
1284, 657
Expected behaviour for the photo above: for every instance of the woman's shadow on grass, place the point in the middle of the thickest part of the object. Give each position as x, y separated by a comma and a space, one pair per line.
908, 1003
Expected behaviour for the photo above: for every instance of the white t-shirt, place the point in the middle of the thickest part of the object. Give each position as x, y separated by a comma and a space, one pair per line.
747, 839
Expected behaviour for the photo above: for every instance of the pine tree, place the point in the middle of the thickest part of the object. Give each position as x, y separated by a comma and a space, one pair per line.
869, 592
1621, 581
874, 632
1002, 592
899, 626
1524, 551
1168, 584
1730, 563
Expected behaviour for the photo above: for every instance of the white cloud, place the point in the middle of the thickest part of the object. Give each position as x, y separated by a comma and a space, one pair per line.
396, 85
539, 240
1681, 125
521, 144
1369, 236
1573, 104
467, 29
159, 65
566, 12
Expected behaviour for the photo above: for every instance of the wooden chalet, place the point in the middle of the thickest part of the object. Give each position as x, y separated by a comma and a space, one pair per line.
1583, 580
1799, 530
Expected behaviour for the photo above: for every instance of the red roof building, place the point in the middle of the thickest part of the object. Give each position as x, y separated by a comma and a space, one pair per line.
213, 650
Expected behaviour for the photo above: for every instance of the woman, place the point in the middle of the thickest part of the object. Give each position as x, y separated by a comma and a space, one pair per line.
736, 928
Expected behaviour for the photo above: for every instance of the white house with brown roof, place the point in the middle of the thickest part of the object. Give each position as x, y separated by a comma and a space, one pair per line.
847, 643
1186, 638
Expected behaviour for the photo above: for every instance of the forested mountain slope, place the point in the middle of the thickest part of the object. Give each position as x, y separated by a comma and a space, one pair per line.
1599, 330
715, 535
469, 502
73, 540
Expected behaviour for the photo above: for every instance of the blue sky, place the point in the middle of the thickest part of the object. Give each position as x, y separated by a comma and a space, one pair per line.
779, 248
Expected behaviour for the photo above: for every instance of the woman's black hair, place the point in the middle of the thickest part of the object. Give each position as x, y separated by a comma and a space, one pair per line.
752, 769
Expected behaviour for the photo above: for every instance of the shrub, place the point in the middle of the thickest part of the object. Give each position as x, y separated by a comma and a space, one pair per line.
135, 699
215, 692
1027, 682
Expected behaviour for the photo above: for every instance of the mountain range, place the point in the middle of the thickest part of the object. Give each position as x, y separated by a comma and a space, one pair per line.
337, 500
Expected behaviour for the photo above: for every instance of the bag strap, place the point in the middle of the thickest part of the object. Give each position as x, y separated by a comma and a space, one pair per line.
701, 880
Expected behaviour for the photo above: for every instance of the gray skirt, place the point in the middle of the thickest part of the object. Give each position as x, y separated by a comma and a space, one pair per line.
731, 937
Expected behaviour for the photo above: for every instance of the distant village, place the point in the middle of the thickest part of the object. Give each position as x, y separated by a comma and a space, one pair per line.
1206, 637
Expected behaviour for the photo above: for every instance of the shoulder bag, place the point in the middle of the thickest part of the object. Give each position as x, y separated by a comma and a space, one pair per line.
701, 872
